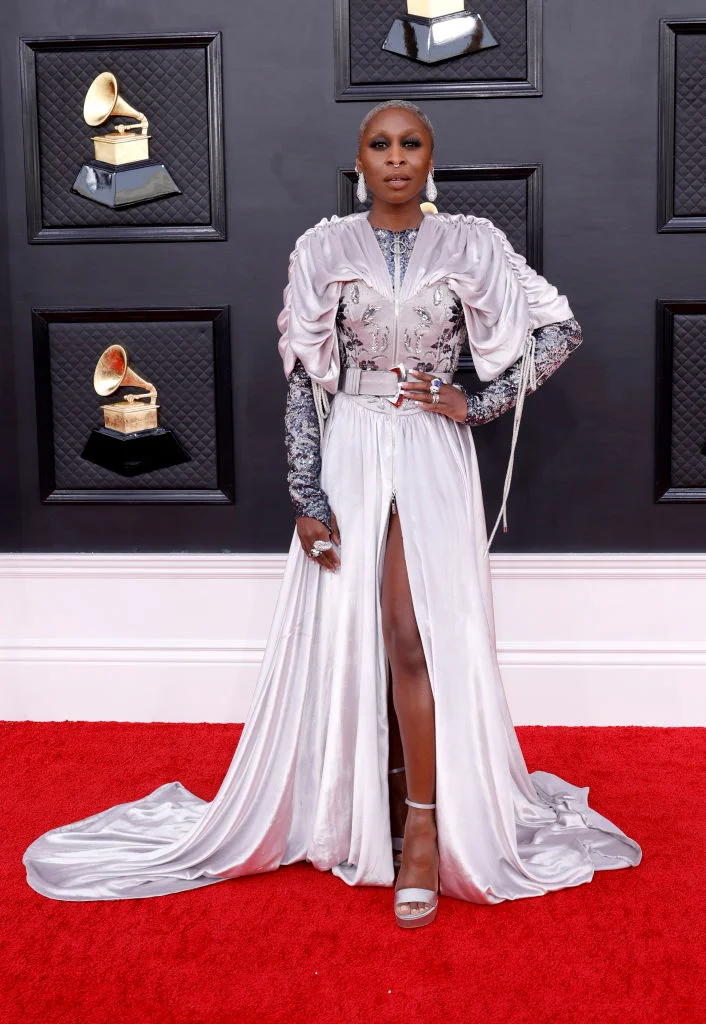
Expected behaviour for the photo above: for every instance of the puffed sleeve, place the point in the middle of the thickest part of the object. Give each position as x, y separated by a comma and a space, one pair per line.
502, 297
307, 322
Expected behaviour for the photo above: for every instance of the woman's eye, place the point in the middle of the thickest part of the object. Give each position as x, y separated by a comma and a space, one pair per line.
378, 144
414, 143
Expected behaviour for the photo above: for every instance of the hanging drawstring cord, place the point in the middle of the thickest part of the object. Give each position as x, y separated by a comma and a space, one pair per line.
528, 375
322, 405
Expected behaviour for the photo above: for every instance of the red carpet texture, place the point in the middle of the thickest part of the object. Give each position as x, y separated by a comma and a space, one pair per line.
300, 946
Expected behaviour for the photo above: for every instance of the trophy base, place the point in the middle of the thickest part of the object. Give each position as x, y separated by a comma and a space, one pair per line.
127, 185
133, 454
429, 40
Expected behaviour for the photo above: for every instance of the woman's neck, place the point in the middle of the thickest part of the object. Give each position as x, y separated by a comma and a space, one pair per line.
403, 217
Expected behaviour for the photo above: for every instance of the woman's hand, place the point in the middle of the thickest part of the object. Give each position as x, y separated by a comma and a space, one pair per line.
452, 402
309, 530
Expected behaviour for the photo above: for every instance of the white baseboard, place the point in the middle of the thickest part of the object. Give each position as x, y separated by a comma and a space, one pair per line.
582, 639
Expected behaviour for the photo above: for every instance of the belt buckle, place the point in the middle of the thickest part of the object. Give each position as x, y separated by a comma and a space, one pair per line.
398, 397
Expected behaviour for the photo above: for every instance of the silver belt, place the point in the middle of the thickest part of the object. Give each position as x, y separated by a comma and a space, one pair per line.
377, 382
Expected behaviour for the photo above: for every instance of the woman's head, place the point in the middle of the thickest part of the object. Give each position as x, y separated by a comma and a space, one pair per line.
395, 150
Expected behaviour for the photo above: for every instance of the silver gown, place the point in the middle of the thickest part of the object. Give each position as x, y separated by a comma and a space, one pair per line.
308, 780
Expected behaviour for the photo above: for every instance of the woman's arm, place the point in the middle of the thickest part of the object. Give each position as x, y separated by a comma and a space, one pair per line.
302, 441
553, 346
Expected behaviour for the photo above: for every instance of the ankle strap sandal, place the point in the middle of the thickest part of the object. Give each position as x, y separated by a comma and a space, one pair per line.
411, 895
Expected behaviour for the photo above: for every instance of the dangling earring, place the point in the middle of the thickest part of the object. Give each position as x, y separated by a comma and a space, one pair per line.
431, 189
361, 191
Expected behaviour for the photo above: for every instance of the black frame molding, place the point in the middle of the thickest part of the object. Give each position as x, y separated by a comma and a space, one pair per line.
666, 311
219, 317
480, 89
670, 28
36, 232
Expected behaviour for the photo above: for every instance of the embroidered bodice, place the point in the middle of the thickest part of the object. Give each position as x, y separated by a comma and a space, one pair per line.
376, 332
426, 331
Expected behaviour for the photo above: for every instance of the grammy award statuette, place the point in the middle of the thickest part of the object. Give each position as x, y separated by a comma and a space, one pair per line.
121, 173
435, 30
130, 441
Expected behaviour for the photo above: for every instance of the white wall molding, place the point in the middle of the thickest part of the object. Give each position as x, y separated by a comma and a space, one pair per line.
605, 639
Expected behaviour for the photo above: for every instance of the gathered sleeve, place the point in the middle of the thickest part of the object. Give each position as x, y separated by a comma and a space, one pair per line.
503, 298
307, 322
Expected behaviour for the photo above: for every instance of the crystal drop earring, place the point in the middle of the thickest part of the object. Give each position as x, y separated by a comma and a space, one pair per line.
361, 191
431, 188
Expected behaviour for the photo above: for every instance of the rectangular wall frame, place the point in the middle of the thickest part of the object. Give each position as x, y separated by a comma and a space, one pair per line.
176, 80
680, 439
682, 126
184, 352
364, 71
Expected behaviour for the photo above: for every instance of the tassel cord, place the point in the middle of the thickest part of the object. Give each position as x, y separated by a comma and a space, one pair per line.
528, 376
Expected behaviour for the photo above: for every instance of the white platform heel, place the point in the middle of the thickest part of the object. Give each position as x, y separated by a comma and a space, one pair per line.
427, 896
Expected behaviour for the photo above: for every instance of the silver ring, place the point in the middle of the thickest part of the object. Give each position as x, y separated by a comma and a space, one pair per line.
435, 385
315, 553
435, 398
322, 545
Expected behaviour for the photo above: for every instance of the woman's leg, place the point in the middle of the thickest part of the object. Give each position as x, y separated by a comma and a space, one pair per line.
414, 705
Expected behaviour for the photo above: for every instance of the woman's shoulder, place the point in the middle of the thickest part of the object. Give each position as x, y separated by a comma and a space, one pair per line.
467, 222
328, 227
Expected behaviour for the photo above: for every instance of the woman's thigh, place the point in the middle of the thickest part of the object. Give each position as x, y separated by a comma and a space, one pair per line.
403, 643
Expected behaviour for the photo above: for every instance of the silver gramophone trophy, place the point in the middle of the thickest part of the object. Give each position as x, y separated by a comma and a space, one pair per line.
435, 30
121, 173
130, 441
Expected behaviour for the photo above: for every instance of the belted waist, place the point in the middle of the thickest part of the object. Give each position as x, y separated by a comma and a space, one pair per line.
355, 381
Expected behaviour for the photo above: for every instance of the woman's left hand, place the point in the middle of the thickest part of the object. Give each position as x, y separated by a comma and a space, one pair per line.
452, 402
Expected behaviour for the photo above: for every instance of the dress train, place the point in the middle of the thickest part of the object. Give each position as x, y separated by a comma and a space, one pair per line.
308, 780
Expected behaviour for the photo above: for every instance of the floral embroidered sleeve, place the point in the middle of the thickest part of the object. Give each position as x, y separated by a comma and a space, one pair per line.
553, 346
302, 442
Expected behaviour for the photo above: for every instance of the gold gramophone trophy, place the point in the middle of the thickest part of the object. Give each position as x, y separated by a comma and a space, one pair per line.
121, 173
131, 441
434, 30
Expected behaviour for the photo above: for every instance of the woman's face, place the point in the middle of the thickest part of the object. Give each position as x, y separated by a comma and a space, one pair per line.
395, 155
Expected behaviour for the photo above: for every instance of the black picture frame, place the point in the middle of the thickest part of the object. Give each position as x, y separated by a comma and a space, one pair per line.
665, 491
531, 174
218, 317
37, 230
667, 220
345, 89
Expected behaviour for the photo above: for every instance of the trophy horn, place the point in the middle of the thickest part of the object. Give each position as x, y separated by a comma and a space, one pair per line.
103, 100
113, 371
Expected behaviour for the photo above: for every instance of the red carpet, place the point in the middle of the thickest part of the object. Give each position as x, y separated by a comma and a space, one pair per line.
298, 945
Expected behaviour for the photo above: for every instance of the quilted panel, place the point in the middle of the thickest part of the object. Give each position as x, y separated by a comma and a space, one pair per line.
169, 86
176, 357
690, 126
689, 401
370, 21
504, 202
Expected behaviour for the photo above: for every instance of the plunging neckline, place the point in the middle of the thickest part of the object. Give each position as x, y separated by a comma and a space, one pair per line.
376, 253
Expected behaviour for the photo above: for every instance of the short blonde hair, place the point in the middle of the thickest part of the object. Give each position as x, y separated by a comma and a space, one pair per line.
396, 105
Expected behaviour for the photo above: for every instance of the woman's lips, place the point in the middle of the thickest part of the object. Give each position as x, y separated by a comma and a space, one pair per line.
397, 183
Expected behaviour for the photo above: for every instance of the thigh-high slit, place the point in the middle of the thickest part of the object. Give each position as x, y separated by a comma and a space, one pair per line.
309, 777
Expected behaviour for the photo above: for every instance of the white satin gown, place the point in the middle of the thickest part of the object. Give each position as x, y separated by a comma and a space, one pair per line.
308, 780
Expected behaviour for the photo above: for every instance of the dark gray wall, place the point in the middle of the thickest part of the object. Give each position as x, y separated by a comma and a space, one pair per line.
584, 473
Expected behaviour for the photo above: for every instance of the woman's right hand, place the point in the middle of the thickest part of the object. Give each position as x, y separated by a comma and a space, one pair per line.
309, 530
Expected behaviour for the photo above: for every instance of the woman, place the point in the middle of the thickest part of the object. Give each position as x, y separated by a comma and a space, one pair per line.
388, 568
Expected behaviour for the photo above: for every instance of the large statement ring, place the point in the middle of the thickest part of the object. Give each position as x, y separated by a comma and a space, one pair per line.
314, 553
321, 545
435, 386
435, 398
